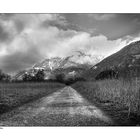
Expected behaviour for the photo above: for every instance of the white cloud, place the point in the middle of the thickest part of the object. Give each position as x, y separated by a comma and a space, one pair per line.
33, 43
131, 38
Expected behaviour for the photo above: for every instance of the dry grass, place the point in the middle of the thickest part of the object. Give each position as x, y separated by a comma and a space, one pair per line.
17, 94
124, 95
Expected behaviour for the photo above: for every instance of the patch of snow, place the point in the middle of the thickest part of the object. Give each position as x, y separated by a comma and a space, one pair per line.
95, 67
50, 65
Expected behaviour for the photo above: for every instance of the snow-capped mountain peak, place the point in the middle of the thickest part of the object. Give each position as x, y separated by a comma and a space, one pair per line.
79, 60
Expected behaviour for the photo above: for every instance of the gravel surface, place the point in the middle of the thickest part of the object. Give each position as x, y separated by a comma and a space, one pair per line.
66, 107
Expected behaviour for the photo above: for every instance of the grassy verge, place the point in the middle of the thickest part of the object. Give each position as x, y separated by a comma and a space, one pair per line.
117, 97
16, 94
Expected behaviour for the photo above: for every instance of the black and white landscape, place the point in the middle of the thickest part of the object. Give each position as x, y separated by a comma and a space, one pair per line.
70, 69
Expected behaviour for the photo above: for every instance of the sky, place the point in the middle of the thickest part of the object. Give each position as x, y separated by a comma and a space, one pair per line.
26, 39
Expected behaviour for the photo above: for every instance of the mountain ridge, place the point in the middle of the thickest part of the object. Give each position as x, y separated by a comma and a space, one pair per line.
127, 57
58, 64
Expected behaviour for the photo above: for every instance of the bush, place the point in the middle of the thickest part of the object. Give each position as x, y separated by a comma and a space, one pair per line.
60, 77
38, 76
107, 74
27, 77
4, 76
70, 81
4, 108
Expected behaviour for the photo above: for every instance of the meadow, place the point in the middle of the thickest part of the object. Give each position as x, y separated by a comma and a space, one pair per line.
119, 98
16, 94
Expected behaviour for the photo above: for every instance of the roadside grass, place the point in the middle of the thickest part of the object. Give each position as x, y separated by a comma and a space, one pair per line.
114, 96
16, 94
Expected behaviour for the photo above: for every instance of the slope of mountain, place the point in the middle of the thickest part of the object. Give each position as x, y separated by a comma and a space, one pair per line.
71, 64
128, 57
55, 63
79, 59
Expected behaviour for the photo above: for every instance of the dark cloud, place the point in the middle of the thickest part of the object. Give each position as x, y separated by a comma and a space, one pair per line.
20, 60
4, 36
19, 25
6, 16
113, 26
102, 17
64, 25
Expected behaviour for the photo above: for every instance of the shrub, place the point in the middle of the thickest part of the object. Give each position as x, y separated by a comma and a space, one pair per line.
107, 74
27, 77
4, 76
38, 76
60, 77
70, 81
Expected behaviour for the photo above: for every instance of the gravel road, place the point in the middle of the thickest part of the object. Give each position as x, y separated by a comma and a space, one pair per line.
66, 107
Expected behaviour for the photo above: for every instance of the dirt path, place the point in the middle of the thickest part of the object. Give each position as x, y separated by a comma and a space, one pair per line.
65, 107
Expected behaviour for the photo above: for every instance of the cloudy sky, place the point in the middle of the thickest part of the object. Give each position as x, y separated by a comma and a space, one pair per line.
28, 38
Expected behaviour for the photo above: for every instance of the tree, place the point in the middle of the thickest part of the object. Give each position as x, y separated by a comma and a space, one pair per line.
107, 74
7, 78
40, 75
60, 77
4, 76
27, 77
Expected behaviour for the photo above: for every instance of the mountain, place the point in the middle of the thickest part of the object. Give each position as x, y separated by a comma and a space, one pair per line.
88, 66
76, 63
126, 58
54, 63
78, 59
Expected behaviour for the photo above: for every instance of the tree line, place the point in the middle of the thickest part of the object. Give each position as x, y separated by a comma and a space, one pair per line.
4, 77
38, 76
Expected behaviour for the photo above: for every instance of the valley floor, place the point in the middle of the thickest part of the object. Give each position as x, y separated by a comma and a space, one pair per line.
65, 107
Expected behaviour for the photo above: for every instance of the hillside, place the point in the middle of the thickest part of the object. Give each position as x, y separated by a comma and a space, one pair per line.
128, 57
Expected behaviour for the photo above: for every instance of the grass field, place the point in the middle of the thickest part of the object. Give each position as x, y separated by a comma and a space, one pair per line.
120, 99
16, 94
113, 95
